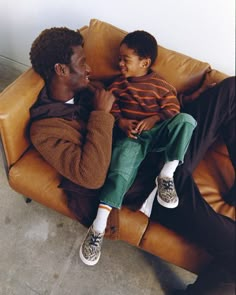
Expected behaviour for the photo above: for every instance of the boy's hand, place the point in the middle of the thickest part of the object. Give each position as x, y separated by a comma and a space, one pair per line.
128, 126
146, 124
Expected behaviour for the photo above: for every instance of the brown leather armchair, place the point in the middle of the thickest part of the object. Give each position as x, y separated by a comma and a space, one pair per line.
32, 177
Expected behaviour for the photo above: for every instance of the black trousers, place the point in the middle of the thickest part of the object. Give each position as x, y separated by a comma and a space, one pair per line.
215, 113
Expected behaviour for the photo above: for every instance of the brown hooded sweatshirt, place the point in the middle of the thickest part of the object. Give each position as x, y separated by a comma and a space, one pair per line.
77, 143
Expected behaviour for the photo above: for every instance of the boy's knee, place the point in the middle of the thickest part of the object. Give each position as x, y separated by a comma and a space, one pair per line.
186, 118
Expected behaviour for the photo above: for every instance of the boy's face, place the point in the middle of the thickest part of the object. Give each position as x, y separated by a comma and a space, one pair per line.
131, 65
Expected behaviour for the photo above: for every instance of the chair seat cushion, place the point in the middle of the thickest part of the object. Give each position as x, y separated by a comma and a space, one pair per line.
34, 178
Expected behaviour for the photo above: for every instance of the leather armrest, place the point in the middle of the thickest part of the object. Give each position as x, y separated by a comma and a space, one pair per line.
15, 102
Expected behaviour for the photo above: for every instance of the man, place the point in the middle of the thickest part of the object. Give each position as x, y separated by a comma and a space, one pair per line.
73, 135
74, 132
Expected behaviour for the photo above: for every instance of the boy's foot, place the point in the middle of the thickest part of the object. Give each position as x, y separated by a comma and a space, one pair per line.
167, 195
90, 250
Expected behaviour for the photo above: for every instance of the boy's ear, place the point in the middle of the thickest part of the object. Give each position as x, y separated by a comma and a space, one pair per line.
60, 69
146, 62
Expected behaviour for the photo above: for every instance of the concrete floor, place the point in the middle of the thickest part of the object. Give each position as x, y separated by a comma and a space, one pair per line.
39, 249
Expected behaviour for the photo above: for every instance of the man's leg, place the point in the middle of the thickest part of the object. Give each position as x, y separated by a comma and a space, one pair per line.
228, 133
218, 107
213, 111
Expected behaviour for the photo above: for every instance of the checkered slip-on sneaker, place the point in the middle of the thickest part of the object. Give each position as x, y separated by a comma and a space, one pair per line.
90, 250
167, 196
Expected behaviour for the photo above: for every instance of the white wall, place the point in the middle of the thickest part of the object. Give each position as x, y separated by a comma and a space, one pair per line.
203, 29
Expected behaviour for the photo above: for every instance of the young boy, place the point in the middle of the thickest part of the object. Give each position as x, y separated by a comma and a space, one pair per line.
147, 112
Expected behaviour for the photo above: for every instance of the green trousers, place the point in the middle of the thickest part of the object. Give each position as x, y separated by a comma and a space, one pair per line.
171, 136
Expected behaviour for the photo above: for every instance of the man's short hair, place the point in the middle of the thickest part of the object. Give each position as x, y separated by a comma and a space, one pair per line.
143, 43
53, 46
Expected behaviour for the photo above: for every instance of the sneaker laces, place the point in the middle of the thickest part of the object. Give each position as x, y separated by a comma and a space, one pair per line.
95, 239
168, 184
167, 195
167, 189
92, 245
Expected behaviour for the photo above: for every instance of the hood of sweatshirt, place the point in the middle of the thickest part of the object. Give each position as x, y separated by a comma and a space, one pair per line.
47, 107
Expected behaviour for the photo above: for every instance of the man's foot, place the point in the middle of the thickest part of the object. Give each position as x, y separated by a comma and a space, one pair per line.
90, 250
167, 195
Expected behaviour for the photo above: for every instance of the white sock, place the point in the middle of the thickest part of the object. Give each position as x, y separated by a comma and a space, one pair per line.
147, 205
169, 169
100, 222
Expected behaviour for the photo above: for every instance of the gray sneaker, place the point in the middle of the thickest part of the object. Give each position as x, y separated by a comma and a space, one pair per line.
90, 250
167, 195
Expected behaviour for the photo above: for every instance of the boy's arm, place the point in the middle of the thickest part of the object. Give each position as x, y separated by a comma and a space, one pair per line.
169, 106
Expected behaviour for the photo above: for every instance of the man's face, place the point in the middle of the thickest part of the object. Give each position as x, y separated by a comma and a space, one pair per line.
78, 77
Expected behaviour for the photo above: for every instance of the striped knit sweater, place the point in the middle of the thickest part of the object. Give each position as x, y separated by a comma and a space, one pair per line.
141, 97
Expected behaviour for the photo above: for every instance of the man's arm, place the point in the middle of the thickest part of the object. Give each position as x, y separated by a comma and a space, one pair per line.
81, 152
78, 152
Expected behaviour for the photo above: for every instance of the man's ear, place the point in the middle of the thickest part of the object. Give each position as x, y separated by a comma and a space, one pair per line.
60, 69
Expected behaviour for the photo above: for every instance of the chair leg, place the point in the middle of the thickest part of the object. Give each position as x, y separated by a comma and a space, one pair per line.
28, 200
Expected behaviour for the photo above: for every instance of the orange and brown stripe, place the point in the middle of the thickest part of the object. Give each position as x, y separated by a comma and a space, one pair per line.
141, 97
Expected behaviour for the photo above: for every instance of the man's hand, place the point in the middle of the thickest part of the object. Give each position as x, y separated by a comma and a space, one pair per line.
128, 126
94, 84
103, 100
188, 98
206, 87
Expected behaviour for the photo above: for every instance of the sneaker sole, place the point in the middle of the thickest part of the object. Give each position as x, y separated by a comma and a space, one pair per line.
167, 205
88, 262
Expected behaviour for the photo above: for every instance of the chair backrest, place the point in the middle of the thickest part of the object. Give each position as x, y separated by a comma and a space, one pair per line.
101, 47
15, 102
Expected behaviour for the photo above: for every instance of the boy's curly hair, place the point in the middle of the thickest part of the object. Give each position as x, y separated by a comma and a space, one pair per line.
143, 43
53, 46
